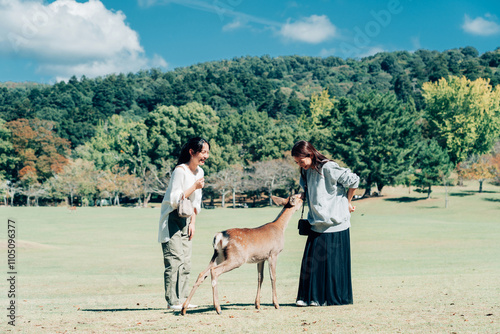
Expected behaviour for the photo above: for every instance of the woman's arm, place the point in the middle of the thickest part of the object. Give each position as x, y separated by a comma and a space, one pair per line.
191, 227
200, 183
350, 195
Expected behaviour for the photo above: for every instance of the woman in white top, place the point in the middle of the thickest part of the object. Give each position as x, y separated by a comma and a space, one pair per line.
175, 233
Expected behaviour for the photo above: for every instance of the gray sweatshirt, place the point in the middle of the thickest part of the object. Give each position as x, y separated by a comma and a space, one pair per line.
327, 197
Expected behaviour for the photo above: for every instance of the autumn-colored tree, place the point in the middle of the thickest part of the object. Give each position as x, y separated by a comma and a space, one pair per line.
463, 115
495, 161
30, 185
321, 106
78, 178
114, 183
318, 119
38, 147
479, 168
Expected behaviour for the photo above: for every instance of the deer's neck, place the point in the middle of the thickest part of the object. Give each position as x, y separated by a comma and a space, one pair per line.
283, 218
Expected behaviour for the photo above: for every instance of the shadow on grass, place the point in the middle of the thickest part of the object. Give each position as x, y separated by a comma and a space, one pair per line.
463, 194
405, 199
472, 192
119, 309
492, 199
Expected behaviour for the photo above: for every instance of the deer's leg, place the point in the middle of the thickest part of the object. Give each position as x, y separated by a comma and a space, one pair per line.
260, 274
215, 272
201, 277
272, 272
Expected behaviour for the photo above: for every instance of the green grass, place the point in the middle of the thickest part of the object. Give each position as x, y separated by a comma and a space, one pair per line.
417, 268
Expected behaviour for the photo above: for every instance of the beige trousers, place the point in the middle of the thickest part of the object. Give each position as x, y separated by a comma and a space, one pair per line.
177, 260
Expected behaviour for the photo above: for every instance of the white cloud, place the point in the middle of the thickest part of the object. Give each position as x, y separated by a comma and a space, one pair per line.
314, 29
234, 25
328, 52
370, 51
69, 38
415, 42
481, 26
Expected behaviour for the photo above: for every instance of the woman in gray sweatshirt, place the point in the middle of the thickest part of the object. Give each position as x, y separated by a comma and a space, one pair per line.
325, 275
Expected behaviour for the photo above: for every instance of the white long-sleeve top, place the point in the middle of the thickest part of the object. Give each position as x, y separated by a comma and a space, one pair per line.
182, 178
327, 197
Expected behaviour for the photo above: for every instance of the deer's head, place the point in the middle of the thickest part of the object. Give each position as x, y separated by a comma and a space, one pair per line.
292, 201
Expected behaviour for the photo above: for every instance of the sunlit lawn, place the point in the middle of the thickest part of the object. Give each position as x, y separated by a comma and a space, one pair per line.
418, 267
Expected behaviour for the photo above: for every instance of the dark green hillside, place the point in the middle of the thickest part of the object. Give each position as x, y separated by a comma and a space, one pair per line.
280, 87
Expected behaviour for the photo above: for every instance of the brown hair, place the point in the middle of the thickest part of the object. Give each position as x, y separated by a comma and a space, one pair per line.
304, 149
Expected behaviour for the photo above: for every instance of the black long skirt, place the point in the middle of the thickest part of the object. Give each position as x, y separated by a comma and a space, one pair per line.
325, 275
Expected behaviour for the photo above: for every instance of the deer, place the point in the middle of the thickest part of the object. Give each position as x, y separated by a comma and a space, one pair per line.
237, 246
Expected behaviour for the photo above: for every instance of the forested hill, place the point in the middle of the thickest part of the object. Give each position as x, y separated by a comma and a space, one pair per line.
280, 86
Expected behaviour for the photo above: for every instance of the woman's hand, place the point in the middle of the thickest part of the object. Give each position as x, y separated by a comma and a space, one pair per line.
200, 183
191, 230
352, 208
191, 227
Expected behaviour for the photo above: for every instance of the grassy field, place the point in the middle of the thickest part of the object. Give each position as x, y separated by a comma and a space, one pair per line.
418, 267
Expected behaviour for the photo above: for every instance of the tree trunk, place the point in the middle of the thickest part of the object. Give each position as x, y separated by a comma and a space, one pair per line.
481, 186
234, 198
146, 200
446, 192
429, 192
223, 199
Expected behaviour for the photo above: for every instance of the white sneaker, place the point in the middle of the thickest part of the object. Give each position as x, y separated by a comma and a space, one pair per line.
301, 303
313, 303
177, 307
192, 306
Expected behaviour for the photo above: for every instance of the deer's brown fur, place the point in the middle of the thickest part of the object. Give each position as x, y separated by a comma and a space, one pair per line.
236, 246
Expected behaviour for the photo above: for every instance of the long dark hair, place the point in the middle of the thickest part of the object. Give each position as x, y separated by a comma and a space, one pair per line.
195, 144
304, 149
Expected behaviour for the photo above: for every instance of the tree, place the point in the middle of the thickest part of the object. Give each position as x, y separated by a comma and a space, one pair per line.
433, 165
115, 182
78, 178
227, 180
495, 161
376, 137
463, 115
29, 184
273, 174
320, 108
271, 145
220, 183
8, 158
168, 128
37, 146
479, 168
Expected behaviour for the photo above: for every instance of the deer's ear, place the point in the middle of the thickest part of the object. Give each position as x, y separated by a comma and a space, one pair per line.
279, 200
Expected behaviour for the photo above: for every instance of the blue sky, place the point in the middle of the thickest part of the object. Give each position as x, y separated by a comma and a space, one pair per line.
47, 41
